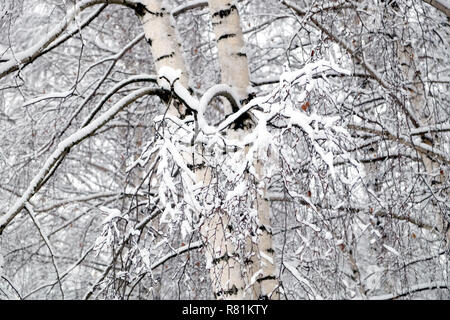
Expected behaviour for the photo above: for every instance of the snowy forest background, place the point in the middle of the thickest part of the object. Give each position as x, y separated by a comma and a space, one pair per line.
346, 138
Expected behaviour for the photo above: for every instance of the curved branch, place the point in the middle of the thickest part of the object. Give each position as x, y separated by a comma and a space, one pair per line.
219, 90
177, 252
113, 90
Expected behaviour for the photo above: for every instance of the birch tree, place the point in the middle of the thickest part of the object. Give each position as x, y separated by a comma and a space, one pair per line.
229, 279
224, 149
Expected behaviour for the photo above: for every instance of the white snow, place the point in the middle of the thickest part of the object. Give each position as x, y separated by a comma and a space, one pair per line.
255, 277
265, 256
238, 191
391, 249
302, 279
67, 143
168, 76
185, 229
112, 213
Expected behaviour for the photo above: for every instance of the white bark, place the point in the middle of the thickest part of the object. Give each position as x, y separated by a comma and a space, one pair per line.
226, 272
165, 47
268, 283
231, 278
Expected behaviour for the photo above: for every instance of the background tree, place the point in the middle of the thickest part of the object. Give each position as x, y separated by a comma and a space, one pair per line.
346, 138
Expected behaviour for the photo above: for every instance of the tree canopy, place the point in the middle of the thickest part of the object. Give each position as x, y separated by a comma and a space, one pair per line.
314, 133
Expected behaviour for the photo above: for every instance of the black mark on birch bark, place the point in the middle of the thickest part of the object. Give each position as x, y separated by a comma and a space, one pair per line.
266, 278
140, 10
224, 13
226, 36
232, 291
166, 56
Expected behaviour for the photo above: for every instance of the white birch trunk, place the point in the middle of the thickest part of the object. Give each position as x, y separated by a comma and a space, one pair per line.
268, 283
166, 52
231, 278
228, 277
230, 41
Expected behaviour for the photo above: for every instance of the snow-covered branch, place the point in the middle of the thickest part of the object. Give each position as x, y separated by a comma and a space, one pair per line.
64, 147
